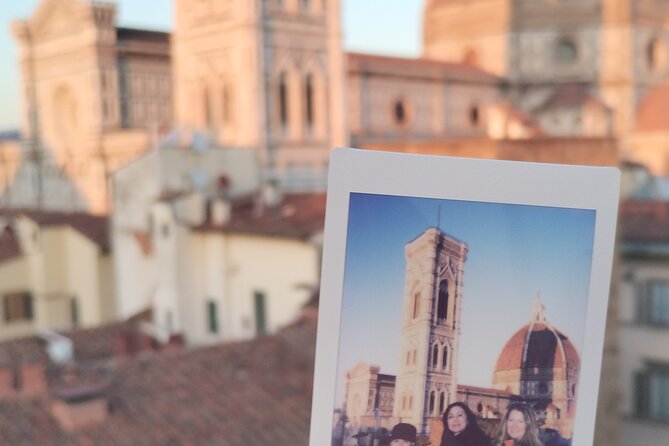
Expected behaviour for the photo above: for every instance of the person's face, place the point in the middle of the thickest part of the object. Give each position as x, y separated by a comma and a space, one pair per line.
456, 419
400, 443
515, 425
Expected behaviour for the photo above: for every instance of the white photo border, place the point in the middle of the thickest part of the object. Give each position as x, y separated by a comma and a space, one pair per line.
491, 181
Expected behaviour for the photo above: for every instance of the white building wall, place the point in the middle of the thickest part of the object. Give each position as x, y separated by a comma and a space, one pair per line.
15, 277
71, 270
166, 239
285, 270
229, 268
137, 186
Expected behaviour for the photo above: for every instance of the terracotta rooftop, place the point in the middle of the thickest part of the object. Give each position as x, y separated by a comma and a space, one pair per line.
296, 216
464, 388
143, 35
568, 96
9, 245
418, 67
253, 392
29, 350
652, 114
94, 227
644, 221
515, 114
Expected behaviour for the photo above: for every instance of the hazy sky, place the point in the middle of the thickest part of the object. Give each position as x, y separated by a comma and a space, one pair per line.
514, 251
395, 30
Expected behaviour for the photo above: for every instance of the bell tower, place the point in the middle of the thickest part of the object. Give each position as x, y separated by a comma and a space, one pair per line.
427, 373
262, 74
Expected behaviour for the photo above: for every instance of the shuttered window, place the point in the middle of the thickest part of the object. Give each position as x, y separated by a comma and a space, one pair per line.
18, 307
652, 392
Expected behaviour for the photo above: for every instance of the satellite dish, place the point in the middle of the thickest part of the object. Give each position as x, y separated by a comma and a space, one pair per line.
198, 179
59, 347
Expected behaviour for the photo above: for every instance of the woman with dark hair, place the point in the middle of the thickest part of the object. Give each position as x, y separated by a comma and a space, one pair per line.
460, 427
518, 427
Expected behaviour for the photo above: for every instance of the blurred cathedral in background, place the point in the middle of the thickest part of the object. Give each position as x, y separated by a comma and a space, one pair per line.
271, 77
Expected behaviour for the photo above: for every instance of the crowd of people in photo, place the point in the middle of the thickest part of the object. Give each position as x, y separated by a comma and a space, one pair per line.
517, 427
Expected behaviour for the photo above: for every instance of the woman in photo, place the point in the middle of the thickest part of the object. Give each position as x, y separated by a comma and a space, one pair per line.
460, 427
518, 427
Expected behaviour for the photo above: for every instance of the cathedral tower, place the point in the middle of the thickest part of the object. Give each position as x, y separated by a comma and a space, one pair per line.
580, 68
427, 374
264, 74
91, 93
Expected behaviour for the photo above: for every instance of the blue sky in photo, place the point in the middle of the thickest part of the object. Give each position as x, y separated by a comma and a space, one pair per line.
515, 251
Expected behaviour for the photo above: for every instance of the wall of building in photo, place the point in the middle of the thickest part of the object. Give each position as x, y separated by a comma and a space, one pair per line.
538, 365
193, 142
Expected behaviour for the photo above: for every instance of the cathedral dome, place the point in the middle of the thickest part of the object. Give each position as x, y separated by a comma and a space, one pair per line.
537, 346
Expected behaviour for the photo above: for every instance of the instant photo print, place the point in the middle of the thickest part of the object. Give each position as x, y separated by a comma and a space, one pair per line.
459, 295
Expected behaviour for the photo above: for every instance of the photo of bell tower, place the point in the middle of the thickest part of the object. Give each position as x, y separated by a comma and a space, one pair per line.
430, 327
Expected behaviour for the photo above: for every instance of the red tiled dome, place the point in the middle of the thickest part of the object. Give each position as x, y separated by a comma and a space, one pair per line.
538, 345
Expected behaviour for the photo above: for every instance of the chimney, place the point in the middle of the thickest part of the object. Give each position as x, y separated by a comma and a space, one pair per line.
7, 382
220, 211
271, 194
33, 379
82, 405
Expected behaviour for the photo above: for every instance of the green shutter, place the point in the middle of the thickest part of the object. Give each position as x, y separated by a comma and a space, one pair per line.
74, 312
641, 390
259, 304
212, 313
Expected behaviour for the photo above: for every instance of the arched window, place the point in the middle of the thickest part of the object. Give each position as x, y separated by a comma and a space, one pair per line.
408, 357
410, 402
416, 303
206, 102
442, 302
283, 100
431, 409
442, 401
400, 112
474, 115
435, 355
309, 101
225, 99
444, 358
656, 54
